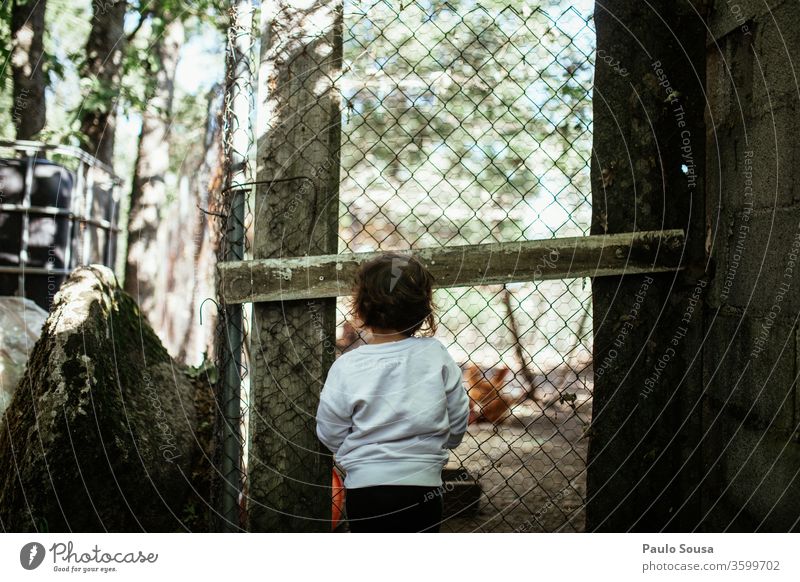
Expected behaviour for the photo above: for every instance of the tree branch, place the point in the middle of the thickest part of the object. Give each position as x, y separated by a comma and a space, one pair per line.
512, 324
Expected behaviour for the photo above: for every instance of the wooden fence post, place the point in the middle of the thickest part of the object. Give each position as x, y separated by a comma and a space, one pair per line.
296, 214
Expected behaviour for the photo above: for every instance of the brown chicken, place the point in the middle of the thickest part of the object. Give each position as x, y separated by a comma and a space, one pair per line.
487, 400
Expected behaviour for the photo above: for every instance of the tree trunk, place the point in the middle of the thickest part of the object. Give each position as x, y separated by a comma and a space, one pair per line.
294, 341
27, 33
144, 264
640, 471
206, 183
103, 67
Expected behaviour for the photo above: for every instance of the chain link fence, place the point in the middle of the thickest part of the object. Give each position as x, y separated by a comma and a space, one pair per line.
467, 123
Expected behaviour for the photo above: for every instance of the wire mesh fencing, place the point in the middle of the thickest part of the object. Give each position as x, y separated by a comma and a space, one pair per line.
465, 125
462, 124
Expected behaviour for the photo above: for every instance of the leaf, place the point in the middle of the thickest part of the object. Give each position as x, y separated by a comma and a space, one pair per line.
206, 368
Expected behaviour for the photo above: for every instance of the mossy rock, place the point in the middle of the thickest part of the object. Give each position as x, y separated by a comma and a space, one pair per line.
105, 432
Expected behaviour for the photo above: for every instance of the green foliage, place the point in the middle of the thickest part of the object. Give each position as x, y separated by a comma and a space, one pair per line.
138, 80
458, 110
5, 45
207, 370
67, 27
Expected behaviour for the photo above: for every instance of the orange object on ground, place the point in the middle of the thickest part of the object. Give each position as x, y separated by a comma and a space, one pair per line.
337, 498
487, 399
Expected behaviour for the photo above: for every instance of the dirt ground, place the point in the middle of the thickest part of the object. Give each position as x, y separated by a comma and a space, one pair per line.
530, 470
526, 474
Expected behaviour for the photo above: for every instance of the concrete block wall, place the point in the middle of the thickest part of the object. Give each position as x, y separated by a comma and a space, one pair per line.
751, 352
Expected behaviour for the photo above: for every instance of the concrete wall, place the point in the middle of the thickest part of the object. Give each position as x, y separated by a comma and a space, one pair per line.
751, 456
696, 424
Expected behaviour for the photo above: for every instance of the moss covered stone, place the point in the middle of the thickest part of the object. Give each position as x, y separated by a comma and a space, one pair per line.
105, 432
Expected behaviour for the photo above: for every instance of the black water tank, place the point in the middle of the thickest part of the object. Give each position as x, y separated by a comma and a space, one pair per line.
49, 234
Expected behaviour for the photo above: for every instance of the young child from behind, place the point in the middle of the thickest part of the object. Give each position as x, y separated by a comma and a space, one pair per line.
391, 410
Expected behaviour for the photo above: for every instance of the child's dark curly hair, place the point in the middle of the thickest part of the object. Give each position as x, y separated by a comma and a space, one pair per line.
395, 291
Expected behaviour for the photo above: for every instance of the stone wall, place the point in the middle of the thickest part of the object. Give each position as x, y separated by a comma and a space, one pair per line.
750, 354
703, 436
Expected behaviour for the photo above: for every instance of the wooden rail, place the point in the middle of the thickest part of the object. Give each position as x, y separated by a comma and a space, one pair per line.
310, 277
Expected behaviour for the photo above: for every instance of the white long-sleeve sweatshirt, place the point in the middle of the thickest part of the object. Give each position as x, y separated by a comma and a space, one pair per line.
389, 412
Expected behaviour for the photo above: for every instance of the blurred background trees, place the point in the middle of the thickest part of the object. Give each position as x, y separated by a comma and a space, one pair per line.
26, 33
474, 117
463, 123
470, 122
138, 85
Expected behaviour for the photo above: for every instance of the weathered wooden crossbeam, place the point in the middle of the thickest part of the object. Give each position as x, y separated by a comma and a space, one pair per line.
461, 266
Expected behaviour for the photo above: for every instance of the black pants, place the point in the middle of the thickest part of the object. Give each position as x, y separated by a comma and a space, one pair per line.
394, 508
